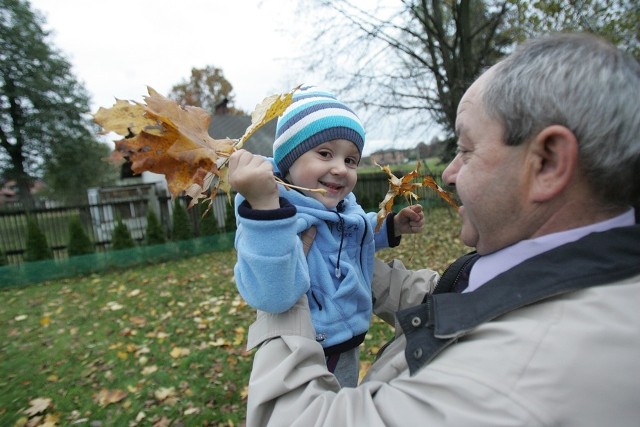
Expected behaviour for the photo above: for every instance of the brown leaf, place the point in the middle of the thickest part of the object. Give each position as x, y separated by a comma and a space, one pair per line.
431, 183
106, 397
405, 187
397, 187
163, 137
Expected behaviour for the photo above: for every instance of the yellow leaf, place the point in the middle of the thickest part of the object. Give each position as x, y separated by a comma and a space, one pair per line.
50, 420
123, 118
179, 352
45, 320
21, 422
270, 108
245, 392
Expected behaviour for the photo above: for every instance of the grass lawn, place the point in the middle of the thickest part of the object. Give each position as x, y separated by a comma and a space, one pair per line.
156, 345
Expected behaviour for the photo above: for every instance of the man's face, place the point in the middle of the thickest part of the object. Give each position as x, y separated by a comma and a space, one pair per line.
488, 177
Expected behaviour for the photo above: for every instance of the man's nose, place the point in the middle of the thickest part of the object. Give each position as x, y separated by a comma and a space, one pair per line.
449, 173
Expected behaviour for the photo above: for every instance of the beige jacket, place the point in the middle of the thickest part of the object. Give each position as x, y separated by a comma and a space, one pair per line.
568, 360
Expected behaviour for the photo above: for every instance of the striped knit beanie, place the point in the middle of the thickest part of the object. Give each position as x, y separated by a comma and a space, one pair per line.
314, 117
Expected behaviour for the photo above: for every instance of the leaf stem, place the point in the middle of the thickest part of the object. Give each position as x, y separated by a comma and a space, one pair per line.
289, 186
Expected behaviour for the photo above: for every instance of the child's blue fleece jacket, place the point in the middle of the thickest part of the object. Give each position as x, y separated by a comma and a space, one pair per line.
272, 271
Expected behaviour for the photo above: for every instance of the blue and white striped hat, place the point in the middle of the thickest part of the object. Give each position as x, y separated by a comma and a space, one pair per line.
314, 117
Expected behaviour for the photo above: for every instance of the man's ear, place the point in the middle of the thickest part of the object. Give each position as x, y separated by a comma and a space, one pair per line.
555, 150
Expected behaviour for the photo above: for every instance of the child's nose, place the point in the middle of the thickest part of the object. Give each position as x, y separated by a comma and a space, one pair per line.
338, 168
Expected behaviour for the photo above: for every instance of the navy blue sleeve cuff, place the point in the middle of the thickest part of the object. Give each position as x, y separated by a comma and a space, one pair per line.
286, 210
391, 237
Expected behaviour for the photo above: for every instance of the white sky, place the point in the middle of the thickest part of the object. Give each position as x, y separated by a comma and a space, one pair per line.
119, 47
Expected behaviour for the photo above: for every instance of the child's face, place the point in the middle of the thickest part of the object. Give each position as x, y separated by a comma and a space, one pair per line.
330, 166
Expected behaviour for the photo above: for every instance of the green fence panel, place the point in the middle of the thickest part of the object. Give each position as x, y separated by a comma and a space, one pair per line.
40, 271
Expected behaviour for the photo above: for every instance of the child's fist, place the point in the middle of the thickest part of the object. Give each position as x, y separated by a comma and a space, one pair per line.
409, 220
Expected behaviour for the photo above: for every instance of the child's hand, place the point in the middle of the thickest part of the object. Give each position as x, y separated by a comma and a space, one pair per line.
252, 176
409, 220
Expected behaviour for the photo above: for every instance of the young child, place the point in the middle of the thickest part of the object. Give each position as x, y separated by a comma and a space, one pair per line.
318, 146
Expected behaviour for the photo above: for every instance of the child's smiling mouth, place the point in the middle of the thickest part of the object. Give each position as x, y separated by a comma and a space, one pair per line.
332, 188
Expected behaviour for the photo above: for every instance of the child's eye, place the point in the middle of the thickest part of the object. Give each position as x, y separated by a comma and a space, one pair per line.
351, 161
324, 153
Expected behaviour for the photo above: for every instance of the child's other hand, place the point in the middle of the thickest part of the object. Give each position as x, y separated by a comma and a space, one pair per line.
252, 176
409, 220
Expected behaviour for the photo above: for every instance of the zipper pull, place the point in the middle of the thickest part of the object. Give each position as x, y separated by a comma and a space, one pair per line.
338, 272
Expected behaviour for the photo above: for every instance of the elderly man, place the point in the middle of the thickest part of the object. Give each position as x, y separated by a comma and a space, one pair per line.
547, 330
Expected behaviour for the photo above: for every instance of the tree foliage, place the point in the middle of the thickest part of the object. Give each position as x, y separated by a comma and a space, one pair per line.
43, 108
413, 60
207, 88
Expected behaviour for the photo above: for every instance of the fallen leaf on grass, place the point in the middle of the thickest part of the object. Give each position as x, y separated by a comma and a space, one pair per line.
38, 406
179, 352
191, 411
106, 397
148, 370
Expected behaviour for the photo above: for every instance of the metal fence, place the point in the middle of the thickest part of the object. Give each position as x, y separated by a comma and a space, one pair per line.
99, 219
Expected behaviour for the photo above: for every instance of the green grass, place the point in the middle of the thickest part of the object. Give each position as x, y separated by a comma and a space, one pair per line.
156, 344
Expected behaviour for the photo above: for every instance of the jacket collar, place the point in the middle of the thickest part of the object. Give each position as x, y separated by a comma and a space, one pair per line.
597, 259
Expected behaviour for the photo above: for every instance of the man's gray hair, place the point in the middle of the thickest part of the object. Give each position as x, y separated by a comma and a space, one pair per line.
585, 84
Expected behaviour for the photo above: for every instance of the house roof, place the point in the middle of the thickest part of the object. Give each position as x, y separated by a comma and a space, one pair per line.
228, 126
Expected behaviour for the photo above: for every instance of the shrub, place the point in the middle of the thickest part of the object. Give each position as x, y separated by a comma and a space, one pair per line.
3, 258
79, 242
121, 237
37, 246
181, 225
208, 224
155, 233
230, 218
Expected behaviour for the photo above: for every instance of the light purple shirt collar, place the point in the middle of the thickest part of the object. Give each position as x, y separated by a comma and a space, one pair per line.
489, 266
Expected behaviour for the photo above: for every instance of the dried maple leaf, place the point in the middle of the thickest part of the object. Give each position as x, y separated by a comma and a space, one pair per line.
37, 406
428, 181
163, 137
405, 187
